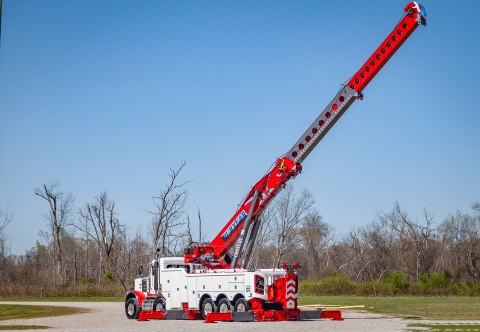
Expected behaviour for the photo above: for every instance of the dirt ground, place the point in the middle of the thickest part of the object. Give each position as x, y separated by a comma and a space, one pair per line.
110, 316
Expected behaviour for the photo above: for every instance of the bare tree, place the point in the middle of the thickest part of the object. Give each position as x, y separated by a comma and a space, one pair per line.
454, 232
473, 243
384, 254
124, 255
60, 213
5, 219
263, 249
315, 238
188, 232
476, 207
105, 228
199, 226
182, 240
289, 210
170, 207
412, 232
355, 249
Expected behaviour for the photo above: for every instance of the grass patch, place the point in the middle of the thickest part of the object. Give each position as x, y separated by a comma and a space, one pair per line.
451, 307
447, 327
16, 311
67, 299
22, 327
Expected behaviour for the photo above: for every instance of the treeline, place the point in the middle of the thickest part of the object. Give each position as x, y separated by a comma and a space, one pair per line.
393, 254
86, 250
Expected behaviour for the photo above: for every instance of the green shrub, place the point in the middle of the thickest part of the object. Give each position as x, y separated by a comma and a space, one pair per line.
367, 288
334, 284
307, 287
398, 281
84, 281
109, 276
91, 291
432, 281
448, 276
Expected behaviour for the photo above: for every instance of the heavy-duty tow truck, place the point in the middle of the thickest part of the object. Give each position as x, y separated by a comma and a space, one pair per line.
210, 283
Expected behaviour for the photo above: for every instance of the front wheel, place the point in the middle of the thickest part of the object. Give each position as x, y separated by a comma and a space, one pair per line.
132, 310
207, 307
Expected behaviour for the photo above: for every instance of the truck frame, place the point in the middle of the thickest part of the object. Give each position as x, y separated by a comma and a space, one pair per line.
211, 283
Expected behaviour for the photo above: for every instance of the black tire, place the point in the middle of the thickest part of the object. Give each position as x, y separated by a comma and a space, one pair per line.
242, 306
207, 306
132, 310
224, 306
159, 304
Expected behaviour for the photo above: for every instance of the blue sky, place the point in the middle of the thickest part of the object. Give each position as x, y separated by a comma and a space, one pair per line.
107, 95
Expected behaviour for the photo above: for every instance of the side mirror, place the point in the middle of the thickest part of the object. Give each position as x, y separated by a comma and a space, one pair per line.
140, 270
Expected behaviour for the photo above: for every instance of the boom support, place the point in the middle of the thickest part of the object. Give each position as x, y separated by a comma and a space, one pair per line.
215, 254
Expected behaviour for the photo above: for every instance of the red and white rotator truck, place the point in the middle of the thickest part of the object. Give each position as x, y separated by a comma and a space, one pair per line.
209, 282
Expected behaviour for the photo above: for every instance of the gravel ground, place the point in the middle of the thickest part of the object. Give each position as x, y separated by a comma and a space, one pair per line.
110, 316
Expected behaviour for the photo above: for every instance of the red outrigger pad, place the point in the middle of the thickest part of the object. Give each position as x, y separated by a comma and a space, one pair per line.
212, 317
332, 314
147, 315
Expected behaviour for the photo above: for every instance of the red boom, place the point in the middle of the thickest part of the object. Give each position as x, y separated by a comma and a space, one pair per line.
215, 254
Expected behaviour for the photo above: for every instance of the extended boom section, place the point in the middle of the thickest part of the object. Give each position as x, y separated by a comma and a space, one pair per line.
415, 15
322, 124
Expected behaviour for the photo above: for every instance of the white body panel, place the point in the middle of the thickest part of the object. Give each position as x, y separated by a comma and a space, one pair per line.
179, 286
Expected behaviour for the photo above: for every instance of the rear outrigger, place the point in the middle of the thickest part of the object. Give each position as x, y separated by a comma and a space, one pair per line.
210, 283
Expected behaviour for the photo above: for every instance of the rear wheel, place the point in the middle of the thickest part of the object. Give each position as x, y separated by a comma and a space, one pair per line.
131, 308
242, 306
159, 304
207, 307
224, 306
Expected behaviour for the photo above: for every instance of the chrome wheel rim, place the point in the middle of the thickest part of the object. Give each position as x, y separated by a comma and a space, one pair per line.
223, 307
207, 308
159, 306
241, 307
131, 309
